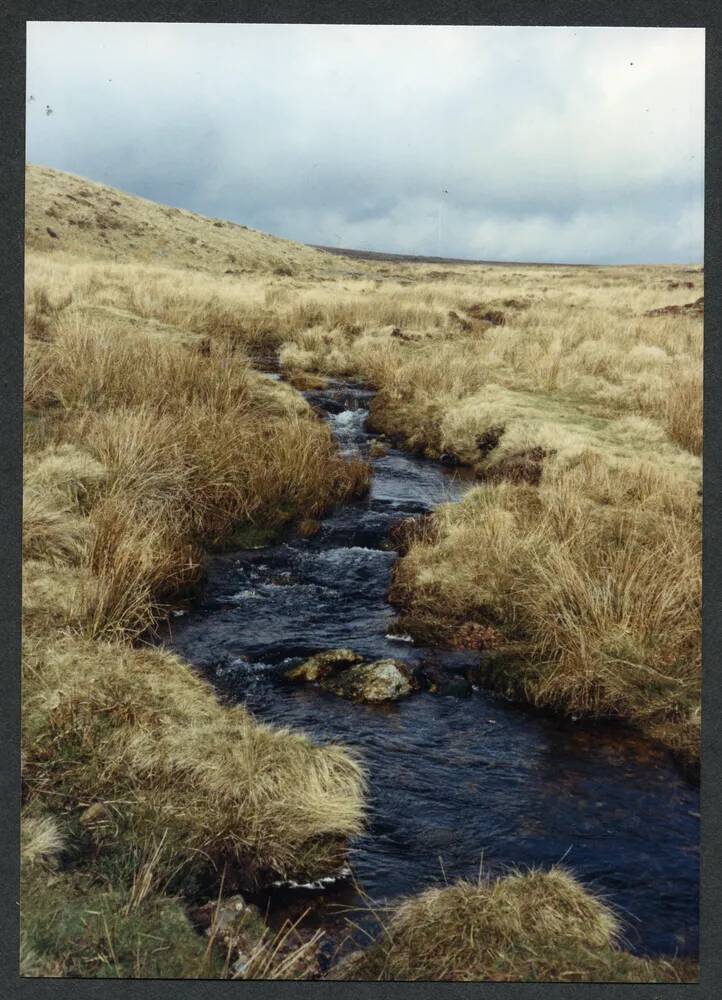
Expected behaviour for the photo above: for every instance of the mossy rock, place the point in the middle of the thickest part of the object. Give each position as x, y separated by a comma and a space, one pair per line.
322, 664
382, 680
235, 924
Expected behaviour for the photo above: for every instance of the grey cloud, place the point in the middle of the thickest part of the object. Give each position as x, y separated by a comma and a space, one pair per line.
553, 144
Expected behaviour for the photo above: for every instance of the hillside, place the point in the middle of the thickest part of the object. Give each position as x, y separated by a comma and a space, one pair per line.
69, 213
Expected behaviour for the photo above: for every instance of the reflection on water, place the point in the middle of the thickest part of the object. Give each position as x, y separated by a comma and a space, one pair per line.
453, 781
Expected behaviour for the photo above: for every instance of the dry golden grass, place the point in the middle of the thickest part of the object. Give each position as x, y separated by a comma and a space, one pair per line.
100, 223
147, 438
589, 410
684, 411
285, 954
137, 730
41, 841
190, 445
149, 435
579, 360
536, 926
592, 583
158, 449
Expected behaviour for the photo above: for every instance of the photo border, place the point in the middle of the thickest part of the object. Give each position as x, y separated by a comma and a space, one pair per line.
12, 161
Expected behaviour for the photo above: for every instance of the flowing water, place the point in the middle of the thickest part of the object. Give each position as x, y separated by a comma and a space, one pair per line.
453, 781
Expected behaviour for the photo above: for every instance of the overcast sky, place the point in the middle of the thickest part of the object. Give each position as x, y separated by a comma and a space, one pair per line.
545, 144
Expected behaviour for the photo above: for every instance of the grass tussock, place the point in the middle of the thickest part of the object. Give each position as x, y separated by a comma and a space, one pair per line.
160, 450
684, 412
536, 926
590, 583
41, 841
135, 730
188, 447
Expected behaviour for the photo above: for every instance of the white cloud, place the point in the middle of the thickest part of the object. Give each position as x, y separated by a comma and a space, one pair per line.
553, 144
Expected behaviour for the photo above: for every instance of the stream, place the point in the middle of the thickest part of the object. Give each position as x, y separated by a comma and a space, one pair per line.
455, 783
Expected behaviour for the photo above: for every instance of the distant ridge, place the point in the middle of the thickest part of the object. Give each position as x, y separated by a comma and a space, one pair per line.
408, 258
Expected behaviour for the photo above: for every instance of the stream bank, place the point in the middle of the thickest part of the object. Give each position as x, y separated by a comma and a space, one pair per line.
455, 783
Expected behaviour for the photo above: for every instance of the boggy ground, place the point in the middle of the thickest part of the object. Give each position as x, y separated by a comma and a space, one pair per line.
149, 437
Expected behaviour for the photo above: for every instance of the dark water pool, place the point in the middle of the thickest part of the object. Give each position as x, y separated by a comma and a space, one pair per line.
454, 782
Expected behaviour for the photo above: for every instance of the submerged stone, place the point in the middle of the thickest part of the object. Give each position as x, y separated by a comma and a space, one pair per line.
307, 381
237, 925
439, 681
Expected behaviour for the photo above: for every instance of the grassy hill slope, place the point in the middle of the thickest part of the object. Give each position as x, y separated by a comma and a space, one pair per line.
65, 212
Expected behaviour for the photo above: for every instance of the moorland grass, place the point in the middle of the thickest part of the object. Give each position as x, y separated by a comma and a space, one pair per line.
531, 927
137, 732
582, 415
149, 437
142, 449
589, 584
